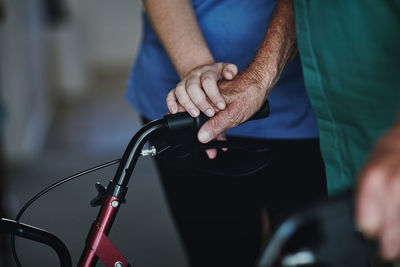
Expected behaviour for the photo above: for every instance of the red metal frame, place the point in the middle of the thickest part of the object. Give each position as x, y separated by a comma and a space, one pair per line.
97, 243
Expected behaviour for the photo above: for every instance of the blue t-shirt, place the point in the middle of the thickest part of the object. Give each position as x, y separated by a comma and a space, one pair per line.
233, 30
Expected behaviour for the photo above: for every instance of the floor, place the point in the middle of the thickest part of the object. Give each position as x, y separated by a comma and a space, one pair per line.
88, 133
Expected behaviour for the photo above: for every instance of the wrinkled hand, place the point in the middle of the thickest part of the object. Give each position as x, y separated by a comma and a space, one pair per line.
198, 91
378, 198
244, 96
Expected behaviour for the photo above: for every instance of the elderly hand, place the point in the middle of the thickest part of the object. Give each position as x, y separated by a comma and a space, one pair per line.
198, 91
244, 96
378, 198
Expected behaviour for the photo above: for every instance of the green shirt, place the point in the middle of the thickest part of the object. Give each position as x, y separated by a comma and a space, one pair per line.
350, 53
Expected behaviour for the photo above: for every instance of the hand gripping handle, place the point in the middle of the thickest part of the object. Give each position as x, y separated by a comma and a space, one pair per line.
183, 120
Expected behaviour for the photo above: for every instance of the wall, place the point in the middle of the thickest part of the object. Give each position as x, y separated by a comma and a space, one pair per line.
42, 65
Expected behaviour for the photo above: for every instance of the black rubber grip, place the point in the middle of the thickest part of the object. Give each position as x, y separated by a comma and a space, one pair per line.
183, 120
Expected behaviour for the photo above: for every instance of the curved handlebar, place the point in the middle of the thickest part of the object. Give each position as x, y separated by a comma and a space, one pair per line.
38, 235
171, 122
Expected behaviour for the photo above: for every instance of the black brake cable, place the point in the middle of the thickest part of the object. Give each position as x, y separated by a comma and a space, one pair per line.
46, 190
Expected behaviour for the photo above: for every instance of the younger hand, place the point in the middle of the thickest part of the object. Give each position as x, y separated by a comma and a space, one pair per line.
198, 91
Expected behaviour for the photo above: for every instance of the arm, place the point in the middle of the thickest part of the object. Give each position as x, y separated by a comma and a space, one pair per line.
248, 90
378, 198
175, 24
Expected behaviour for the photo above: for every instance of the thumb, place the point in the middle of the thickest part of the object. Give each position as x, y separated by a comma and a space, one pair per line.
218, 124
229, 71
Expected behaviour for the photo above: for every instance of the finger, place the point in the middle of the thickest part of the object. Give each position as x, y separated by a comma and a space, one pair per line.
209, 83
216, 109
390, 236
211, 153
370, 198
222, 137
198, 97
172, 103
184, 100
229, 71
222, 121
181, 108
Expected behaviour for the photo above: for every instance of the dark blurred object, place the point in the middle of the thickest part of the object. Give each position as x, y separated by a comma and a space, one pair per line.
55, 12
323, 235
4, 240
2, 12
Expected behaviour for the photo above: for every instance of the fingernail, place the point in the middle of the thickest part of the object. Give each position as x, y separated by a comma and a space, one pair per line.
229, 74
210, 112
174, 109
204, 136
194, 112
220, 105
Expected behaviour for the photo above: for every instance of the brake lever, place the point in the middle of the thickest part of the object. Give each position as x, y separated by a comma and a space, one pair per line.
182, 124
215, 144
231, 144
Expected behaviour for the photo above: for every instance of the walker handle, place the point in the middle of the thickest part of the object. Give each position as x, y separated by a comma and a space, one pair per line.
183, 120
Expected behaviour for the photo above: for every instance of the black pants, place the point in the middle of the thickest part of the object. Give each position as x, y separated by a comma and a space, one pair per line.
219, 216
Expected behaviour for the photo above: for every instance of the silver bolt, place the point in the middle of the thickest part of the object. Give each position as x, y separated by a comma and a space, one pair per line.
119, 264
150, 151
114, 203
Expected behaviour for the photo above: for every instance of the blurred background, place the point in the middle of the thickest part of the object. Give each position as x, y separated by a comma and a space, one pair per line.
64, 65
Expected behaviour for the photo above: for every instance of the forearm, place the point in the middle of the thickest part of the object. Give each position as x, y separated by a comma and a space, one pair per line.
175, 24
245, 94
278, 47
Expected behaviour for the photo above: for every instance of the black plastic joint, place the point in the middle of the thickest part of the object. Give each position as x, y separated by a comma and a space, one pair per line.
117, 191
